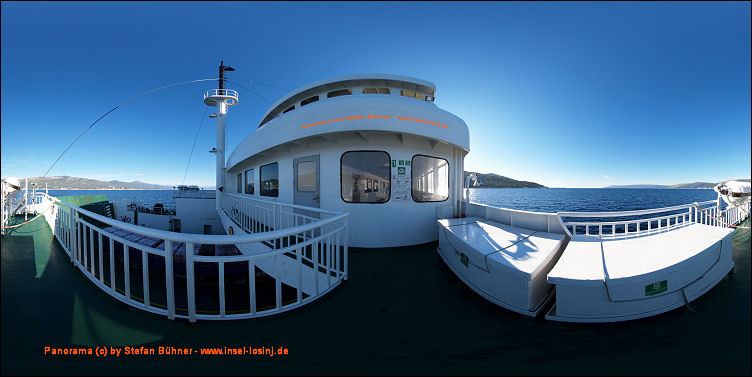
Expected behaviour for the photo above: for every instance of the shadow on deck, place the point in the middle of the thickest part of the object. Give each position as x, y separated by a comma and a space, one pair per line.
401, 312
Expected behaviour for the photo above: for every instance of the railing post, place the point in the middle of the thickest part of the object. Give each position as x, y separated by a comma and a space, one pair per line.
73, 236
101, 260
91, 251
315, 270
190, 281
345, 249
278, 282
277, 215
127, 270
252, 285
112, 264
299, 257
169, 280
221, 289
145, 276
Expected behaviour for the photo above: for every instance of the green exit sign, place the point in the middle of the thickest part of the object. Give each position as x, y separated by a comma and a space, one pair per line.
656, 288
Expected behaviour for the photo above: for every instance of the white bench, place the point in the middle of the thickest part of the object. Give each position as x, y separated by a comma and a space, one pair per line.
613, 279
505, 264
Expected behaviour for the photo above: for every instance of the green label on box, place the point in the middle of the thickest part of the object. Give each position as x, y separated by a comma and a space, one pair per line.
401, 170
463, 259
656, 288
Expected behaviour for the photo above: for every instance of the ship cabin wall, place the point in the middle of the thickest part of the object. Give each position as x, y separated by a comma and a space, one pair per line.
392, 223
197, 216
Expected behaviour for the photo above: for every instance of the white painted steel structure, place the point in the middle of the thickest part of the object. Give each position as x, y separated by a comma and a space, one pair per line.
627, 265
319, 245
504, 255
221, 99
605, 266
371, 112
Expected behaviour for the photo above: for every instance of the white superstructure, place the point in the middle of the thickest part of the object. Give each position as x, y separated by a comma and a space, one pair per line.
370, 161
375, 146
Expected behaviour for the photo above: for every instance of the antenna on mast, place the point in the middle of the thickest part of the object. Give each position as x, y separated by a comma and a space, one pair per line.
222, 69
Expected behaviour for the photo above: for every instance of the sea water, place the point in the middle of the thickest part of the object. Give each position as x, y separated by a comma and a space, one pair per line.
528, 199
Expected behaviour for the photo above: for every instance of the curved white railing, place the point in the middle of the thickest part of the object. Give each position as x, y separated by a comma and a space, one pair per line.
321, 257
640, 222
735, 215
226, 94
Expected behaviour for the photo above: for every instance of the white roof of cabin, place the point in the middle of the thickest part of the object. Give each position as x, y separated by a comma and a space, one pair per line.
366, 80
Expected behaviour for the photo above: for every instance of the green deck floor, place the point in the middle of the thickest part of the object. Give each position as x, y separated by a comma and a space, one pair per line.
401, 312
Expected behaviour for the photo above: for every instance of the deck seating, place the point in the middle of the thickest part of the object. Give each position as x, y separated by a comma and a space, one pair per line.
613, 279
505, 264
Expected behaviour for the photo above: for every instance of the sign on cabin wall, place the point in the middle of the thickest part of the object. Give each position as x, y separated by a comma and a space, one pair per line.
401, 179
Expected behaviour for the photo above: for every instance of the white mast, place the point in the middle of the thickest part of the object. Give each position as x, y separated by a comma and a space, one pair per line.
221, 98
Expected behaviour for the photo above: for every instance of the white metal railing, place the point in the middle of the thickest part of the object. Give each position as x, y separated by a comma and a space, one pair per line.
641, 222
255, 215
221, 93
111, 261
734, 215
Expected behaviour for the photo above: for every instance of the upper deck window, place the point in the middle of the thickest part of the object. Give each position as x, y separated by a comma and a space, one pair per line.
413, 94
291, 108
309, 100
337, 93
376, 91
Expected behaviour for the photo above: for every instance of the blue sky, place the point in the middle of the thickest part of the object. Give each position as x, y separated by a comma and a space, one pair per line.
563, 94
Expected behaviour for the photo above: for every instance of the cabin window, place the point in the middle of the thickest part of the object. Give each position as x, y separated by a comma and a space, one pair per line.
291, 108
270, 180
337, 93
240, 183
307, 176
361, 172
376, 91
309, 100
249, 181
430, 179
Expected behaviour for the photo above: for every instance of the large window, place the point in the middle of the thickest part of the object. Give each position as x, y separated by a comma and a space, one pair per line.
365, 177
240, 183
249, 181
270, 180
430, 179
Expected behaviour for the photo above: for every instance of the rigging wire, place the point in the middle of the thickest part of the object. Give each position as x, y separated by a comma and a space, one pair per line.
248, 89
203, 117
270, 85
236, 82
115, 108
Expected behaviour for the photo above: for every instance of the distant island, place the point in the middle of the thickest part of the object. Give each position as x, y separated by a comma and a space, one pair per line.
76, 183
693, 185
498, 181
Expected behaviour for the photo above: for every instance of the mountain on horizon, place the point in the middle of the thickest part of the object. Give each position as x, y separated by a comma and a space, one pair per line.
78, 183
498, 181
692, 185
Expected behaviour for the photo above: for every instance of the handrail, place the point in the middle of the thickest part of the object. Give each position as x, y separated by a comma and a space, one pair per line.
207, 238
641, 226
630, 213
318, 262
311, 209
